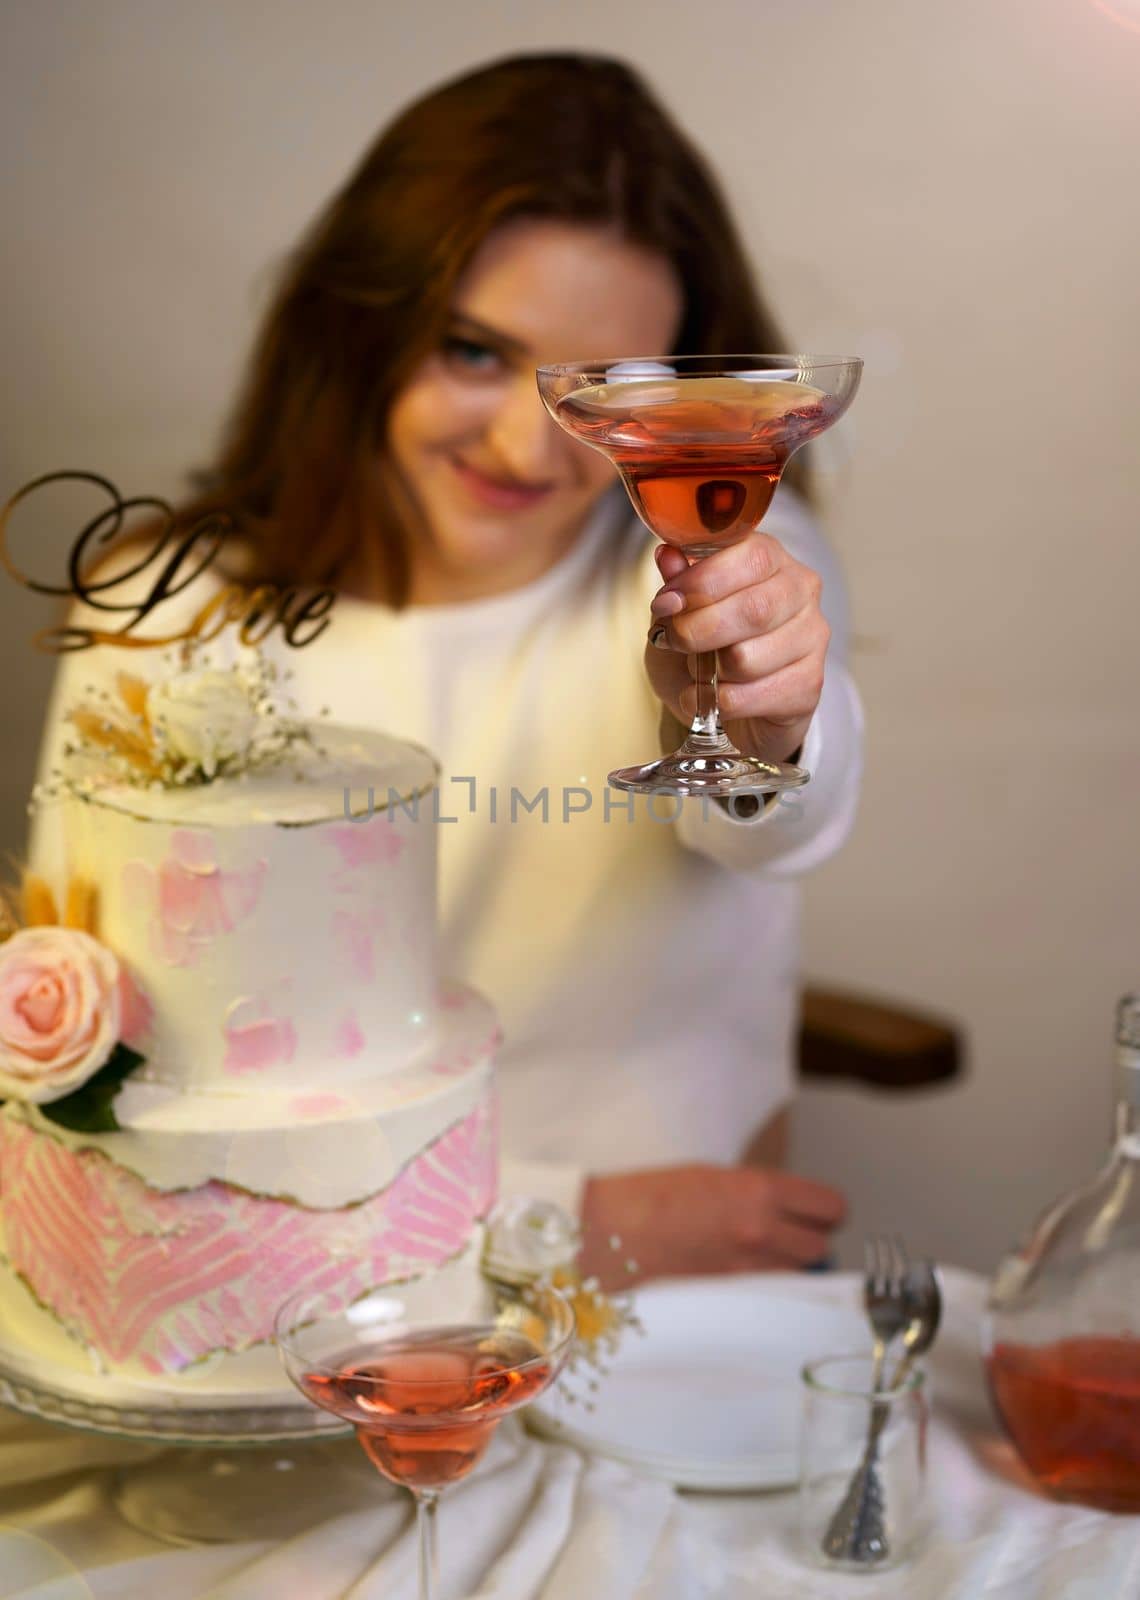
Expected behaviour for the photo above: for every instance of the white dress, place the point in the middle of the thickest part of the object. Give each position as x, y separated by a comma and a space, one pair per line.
646, 969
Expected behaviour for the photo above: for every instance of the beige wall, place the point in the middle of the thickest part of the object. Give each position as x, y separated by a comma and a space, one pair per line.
949, 188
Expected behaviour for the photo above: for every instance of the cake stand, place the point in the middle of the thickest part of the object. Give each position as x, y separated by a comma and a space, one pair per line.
214, 1474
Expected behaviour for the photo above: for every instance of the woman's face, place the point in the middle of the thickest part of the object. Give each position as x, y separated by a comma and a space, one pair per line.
502, 491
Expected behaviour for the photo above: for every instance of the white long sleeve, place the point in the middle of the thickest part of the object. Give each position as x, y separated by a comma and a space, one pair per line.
560, 1181
797, 831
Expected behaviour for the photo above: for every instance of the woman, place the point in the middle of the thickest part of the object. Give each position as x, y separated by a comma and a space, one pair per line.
495, 596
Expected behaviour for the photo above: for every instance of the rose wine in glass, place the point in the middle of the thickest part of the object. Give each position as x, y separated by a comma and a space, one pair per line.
424, 1393
700, 443
426, 1406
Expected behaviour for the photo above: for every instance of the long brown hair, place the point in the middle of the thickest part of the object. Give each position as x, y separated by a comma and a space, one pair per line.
366, 296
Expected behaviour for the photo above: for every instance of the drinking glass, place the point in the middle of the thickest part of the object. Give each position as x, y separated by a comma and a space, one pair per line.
424, 1393
700, 443
841, 1410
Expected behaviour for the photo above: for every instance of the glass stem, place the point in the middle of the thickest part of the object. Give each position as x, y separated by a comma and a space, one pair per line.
706, 735
426, 1502
705, 731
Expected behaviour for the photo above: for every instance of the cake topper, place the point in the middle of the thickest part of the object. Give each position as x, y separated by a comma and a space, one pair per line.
175, 554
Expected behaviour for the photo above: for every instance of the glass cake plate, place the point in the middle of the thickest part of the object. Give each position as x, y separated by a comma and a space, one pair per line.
182, 1425
220, 1473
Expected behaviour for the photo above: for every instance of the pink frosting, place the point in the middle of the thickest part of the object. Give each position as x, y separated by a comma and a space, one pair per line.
366, 844
348, 1039
137, 1011
312, 1106
451, 1062
190, 900
255, 1039
164, 1279
355, 934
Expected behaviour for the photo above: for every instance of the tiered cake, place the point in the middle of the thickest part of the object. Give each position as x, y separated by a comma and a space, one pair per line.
315, 1107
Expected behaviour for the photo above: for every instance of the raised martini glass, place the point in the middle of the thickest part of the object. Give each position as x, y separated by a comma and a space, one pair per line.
700, 443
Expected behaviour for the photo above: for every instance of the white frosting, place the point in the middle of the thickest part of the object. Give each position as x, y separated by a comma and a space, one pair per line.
274, 941
322, 1149
306, 784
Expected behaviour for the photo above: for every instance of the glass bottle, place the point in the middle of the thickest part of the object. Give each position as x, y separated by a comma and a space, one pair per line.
1062, 1334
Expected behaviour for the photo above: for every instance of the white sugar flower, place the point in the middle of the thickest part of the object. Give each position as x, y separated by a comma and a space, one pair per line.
203, 719
528, 1239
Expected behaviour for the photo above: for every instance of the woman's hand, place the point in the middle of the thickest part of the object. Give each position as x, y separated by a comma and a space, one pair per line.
759, 609
676, 1221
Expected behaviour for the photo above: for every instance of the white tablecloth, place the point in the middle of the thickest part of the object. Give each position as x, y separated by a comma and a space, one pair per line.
538, 1521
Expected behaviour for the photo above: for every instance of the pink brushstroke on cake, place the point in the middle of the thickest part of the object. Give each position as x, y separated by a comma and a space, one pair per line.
190, 899
255, 1039
355, 938
165, 1279
366, 844
348, 1038
318, 1105
459, 1059
136, 1012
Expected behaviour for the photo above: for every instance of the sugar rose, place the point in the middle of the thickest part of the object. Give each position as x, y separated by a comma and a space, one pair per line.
60, 1012
529, 1239
203, 718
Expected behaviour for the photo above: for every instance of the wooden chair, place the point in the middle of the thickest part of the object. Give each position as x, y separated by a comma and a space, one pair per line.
866, 1040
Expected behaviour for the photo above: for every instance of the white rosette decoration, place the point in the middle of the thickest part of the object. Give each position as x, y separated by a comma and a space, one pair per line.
535, 1242
60, 1012
188, 728
203, 720
529, 1241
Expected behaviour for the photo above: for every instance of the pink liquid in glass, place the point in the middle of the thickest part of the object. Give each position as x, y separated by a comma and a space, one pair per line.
425, 1407
701, 457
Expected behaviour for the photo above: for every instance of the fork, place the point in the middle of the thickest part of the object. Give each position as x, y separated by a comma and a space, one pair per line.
856, 1529
884, 1296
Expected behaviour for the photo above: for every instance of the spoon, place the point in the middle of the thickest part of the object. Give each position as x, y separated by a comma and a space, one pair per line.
857, 1532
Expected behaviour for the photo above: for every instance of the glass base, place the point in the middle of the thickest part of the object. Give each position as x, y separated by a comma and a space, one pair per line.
212, 1496
714, 773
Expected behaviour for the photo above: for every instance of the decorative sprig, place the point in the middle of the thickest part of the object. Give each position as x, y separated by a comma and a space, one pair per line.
533, 1244
137, 734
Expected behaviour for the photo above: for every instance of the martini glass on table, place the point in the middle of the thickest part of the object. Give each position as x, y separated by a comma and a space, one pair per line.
700, 443
424, 1393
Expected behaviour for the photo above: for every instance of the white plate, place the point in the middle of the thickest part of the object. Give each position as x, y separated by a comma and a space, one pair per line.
709, 1397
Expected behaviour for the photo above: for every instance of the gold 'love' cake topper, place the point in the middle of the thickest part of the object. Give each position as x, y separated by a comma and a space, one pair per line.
173, 556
